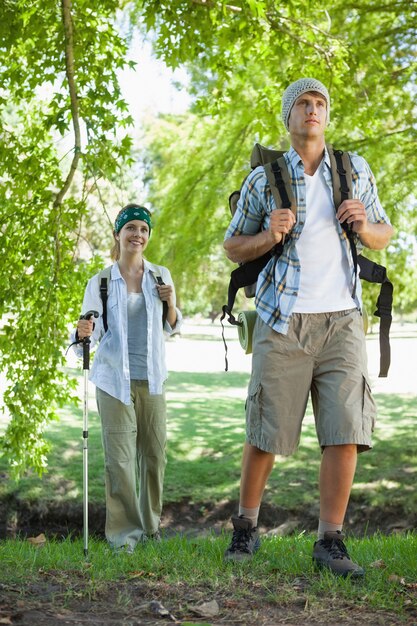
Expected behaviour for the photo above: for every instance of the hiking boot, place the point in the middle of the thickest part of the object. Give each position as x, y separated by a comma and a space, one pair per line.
331, 553
156, 536
245, 541
125, 549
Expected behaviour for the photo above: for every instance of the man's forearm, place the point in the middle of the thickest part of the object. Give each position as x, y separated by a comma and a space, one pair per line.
377, 236
244, 248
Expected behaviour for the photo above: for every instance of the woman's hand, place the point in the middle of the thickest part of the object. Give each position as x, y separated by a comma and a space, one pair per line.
166, 293
85, 328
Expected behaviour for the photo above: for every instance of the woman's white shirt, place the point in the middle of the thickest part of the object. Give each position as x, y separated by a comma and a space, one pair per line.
110, 368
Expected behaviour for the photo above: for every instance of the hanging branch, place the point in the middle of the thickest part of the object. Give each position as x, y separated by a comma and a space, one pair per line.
276, 25
210, 5
70, 74
57, 205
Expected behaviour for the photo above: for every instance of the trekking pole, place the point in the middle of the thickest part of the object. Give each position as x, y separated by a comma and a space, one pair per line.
86, 366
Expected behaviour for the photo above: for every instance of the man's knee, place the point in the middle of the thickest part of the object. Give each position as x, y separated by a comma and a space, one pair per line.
344, 449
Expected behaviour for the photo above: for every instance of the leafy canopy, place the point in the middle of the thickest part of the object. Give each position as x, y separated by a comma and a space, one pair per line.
66, 139
60, 107
240, 58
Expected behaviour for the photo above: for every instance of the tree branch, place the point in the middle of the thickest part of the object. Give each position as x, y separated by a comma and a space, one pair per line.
210, 4
276, 26
398, 7
303, 26
70, 74
380, 138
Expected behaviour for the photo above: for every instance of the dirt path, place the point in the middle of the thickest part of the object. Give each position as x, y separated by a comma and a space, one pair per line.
53, 601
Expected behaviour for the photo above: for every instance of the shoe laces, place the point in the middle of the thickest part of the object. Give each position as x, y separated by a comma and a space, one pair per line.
336, 548
240, 540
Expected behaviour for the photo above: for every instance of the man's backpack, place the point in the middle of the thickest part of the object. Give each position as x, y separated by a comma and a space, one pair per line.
247, 274
104, 278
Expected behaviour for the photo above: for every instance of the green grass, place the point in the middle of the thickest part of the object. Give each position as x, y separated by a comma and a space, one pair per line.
277, 569
206, 425
206, 430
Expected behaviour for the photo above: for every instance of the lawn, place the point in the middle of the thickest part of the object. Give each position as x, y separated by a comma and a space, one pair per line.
206, 432
184, 577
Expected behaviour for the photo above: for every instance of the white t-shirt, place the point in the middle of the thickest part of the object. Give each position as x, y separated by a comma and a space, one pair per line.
324, 278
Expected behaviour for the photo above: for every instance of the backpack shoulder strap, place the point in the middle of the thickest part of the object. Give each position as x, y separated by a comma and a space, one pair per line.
157, 276
103, 281
341, 169
280, 184
279, 181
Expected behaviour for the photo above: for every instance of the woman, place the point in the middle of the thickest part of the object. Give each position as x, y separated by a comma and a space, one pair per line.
129, 372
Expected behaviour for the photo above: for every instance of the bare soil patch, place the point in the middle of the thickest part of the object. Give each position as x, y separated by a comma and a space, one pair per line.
60, 519
53, 602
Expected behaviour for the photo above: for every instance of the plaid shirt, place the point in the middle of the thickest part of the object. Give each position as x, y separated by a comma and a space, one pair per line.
279, 282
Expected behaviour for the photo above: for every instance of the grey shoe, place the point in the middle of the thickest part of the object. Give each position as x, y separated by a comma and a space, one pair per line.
331, 553
126, 549
245, 541
156, 536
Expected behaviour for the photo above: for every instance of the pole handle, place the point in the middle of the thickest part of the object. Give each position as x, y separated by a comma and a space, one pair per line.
89, 315
86, 341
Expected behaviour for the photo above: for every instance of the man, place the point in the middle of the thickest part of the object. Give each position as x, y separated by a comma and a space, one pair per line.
308, 337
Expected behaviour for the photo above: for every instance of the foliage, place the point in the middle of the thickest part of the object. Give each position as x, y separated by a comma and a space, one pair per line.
59, 93
191, 202
64, 142
240, 59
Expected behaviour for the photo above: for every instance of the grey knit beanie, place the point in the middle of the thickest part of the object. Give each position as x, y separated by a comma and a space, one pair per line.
296, 89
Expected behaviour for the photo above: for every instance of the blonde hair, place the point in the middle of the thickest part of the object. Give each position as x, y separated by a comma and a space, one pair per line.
115, 251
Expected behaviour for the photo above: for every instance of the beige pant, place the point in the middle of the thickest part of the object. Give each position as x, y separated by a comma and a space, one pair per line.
134, 442
324, 355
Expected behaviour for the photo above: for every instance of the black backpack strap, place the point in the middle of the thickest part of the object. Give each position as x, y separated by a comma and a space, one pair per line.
103, 296
280, 184
158, 279
341, 169
279, 181
104, 277
374, 273
244, 275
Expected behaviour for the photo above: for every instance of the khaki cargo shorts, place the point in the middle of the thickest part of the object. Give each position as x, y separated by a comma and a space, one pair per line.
325, 354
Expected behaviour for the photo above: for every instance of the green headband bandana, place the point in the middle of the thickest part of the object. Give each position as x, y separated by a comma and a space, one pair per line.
132, 213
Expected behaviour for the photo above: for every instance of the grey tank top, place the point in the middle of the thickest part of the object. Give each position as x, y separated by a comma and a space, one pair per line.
137, 336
